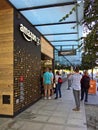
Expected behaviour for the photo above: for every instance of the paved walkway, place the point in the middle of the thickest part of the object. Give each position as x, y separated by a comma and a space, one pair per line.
93, 99
49, 115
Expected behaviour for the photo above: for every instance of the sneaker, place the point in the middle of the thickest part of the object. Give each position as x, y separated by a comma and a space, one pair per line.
49, 98
76, 109
45, 98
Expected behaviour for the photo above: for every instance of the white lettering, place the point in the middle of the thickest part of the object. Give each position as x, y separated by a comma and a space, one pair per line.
28, 35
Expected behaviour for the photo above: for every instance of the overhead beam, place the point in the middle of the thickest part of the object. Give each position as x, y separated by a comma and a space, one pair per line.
65, 45
48, 24
63, 40
60, 33
48, 6
77, 21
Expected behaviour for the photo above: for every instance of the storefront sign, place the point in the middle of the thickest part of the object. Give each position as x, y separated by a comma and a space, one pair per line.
28, 35
67, 52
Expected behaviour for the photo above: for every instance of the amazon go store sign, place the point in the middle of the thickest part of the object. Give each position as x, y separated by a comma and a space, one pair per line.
28, 35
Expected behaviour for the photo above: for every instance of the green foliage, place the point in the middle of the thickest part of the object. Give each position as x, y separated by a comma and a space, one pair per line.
90, 12
71, 11
90, 21
91, 41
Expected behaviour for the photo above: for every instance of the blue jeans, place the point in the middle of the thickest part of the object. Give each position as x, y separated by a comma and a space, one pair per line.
84, 91
58, 90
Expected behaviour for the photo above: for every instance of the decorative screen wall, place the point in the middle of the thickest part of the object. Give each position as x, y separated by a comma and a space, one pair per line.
27, 66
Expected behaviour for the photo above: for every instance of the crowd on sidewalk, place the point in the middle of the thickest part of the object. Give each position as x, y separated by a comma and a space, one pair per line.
52, 85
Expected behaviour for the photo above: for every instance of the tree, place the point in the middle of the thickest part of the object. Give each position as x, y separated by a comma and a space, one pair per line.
91, 41
90, 22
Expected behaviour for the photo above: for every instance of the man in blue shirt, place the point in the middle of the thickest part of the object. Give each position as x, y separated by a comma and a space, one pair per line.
47, 80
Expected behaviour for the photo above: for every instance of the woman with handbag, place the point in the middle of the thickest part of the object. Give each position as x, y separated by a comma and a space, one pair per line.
58, 82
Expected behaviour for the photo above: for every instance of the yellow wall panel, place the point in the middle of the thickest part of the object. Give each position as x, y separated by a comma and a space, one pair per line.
46, 48
6, 59
4, 5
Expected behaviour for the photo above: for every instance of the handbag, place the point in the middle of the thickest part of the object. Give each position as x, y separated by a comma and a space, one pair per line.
54, 85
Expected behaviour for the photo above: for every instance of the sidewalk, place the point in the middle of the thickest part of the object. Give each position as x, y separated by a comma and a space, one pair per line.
49, 115
93, 99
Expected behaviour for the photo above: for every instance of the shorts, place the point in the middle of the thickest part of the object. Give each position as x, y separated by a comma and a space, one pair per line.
47, 86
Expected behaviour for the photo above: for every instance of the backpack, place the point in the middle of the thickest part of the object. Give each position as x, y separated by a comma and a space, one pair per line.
60, 80
85, 82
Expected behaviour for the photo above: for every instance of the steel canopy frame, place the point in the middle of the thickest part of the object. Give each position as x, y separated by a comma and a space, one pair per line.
44, 24
48, 6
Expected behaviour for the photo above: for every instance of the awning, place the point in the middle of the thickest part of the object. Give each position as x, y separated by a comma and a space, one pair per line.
45, 15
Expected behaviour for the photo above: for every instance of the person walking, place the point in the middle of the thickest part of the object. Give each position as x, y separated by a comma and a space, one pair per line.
47, 79
76, 85
58, 82
85, 84
69, 82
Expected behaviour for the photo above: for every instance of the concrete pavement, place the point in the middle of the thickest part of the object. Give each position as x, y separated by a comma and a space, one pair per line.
49, 115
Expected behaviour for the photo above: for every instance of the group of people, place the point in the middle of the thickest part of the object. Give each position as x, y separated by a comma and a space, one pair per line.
49, 79
80, 84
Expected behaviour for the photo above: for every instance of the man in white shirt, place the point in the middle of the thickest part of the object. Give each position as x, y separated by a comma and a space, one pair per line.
76, 85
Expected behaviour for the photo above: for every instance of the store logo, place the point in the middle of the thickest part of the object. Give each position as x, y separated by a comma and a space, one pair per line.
28, 35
